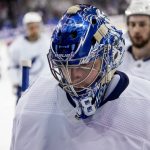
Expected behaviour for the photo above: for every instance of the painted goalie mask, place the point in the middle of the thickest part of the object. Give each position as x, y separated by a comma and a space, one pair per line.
85, 51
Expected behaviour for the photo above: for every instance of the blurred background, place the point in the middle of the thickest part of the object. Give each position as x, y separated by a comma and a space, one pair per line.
12, 11
11, 15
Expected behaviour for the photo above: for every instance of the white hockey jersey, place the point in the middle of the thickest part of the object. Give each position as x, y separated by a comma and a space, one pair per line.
22, 49
45, 120
139, 68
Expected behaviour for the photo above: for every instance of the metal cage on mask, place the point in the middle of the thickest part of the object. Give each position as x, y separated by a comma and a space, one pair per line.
64, 72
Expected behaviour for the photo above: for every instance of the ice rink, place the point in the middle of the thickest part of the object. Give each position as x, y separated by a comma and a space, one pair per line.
7, 101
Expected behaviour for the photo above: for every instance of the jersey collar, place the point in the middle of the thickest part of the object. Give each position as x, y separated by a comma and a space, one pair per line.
130, 51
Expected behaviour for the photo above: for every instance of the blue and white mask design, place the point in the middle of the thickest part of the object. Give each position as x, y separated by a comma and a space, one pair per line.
85, 51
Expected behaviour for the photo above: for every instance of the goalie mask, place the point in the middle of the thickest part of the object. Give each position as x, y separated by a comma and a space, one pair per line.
85, 51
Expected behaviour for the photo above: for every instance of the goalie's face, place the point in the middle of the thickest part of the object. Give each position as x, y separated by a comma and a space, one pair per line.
83, 75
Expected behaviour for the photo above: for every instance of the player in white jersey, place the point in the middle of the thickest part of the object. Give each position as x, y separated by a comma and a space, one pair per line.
34, 46
137, 57
90, 105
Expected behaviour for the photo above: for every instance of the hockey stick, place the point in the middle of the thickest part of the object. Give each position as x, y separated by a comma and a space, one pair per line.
26, 65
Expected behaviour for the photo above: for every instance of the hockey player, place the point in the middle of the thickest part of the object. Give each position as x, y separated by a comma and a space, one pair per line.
90, 105
34, 46
137, 57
